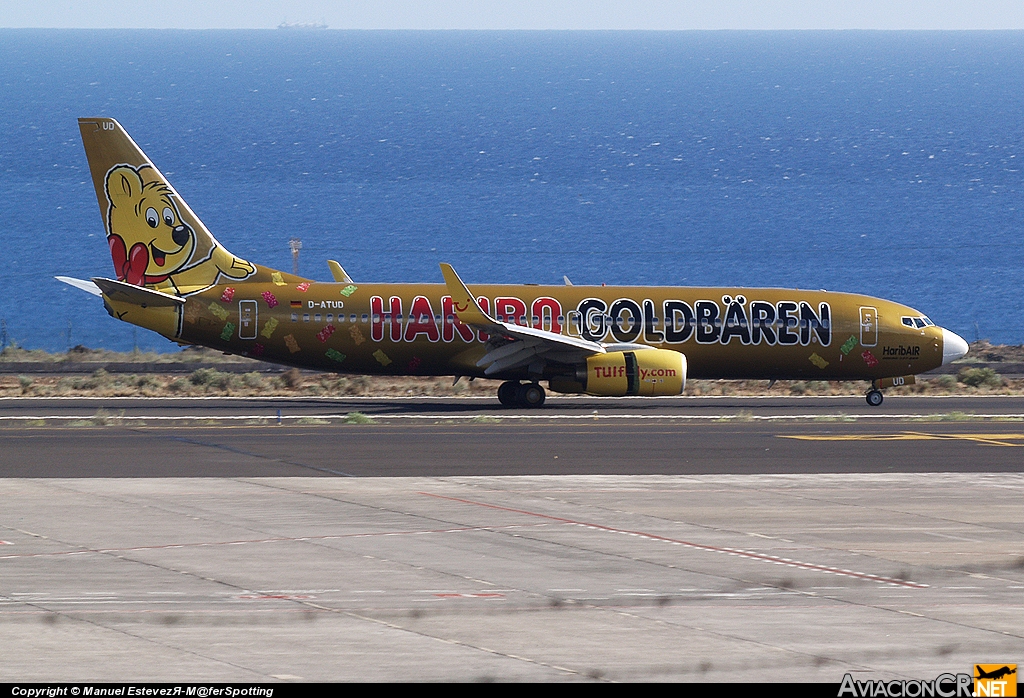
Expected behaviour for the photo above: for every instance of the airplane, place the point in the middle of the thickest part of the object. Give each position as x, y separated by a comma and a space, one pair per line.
994, 674
175, 278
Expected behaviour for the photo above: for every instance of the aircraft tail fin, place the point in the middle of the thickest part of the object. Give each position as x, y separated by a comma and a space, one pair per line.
155, 239
339, 273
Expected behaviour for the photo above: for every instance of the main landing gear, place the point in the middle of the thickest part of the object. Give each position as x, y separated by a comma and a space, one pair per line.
516, 394
874, 397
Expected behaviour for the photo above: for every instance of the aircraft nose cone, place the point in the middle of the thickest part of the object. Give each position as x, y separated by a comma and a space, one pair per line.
953, 346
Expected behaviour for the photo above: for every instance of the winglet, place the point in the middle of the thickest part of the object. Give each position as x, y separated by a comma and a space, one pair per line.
339, 274
466, 308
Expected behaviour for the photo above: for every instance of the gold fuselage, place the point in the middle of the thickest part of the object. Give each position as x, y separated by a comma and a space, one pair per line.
400, 329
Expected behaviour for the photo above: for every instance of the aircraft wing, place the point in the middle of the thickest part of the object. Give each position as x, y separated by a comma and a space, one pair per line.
516, 345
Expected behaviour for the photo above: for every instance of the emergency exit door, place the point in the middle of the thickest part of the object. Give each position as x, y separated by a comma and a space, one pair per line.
247, 318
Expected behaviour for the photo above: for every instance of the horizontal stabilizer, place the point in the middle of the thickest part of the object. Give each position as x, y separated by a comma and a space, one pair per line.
339, 274
87, 286
136, 295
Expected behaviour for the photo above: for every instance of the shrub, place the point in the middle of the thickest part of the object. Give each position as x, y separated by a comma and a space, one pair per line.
224, 381
358, 385
977, 377
202, 376
292, 378
252, 380
146, 382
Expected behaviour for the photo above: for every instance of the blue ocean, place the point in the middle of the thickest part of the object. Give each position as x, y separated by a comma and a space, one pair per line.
884, 163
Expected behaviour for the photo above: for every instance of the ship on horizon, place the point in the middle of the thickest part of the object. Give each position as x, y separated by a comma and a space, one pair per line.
302, 25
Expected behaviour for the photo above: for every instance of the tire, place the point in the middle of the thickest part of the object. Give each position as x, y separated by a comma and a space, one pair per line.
530, 395
507, 393
874, 397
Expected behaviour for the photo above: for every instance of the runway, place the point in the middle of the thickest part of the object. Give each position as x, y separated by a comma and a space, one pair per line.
467, 437
474, 449
419, 408
455, 541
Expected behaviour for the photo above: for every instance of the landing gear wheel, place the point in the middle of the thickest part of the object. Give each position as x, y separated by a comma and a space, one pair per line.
874, 397
507, 393
530, 395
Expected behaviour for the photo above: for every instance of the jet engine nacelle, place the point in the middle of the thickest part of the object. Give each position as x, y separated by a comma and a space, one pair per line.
618, 373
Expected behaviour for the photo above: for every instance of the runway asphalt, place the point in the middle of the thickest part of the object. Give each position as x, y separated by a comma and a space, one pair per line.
731, 539
464, 437
702, 408
518, 448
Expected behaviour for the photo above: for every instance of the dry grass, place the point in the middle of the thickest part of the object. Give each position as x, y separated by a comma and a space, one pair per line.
15, 354
209, 381
217, 383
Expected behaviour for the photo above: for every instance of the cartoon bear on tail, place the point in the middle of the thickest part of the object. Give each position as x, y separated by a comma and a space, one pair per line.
150, 243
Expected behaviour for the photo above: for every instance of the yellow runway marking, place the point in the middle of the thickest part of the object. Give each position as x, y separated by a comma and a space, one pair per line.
985, 439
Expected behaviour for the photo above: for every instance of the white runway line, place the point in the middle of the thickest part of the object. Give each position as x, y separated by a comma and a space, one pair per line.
502, 416
372, 398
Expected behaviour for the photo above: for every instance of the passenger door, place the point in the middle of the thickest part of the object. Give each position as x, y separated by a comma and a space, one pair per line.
868, 326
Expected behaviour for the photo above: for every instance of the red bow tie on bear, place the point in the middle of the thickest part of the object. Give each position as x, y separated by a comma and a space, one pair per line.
131, 265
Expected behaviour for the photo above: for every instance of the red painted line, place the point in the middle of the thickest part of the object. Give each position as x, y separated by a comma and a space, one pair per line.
697, 546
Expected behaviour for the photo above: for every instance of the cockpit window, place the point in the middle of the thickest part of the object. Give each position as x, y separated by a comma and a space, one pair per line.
916, 322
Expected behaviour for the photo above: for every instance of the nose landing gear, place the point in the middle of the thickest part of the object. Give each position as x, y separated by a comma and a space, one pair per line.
874, 397
516, 394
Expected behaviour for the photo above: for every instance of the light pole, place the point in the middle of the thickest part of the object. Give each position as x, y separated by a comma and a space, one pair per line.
295, 244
